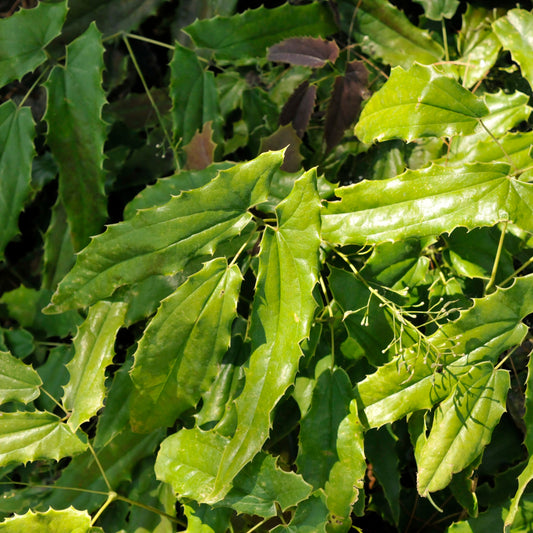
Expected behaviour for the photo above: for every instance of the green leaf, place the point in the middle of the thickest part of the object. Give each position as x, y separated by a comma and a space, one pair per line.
424, 375
281, 318
16, 139
52, 521
426, 202
346, 480
188, 460
310, 516
180, 353
514, 30
28, 436
462, 426
205, 519
39, 26
419, 102
384, 32
439, 9
76, 135
17, 381
85, 391
194, 95
317, 452
163, 239
243, 38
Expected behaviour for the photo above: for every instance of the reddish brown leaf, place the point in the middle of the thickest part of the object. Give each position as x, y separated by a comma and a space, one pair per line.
306, 51
285, 136
200, 151
299, 107
345, 104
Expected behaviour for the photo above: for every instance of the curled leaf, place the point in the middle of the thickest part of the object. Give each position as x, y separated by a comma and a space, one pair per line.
305, 51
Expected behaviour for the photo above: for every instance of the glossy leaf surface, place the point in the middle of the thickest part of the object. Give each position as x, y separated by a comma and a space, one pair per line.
76, 135
52, 521
157, 241
419, 102
17, 380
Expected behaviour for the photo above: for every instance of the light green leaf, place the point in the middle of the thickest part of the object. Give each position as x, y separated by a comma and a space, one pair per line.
194, 95
39, 26
244, 37
385, 33
16, 139
180, 353
311, 516
17, 381
281, 318
28, 436
419, 102
317, 452
439, 9
424, 375
346, 481
427, 202
76, 135
163, 239
85, 391
514, 31
52, 521
462, 426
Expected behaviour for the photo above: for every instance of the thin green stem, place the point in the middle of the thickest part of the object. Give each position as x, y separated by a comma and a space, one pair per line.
492, 279
152, 102
54, 487
55, 401
152, 509
516, 272
31, 89
151, 41
445, 40
111, 497
100, 467
241, 249
500, 146
330, 321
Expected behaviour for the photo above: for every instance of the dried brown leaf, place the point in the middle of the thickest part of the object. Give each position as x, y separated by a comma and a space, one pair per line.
285, 136
307, 51
200, 151
348, 93
298, 108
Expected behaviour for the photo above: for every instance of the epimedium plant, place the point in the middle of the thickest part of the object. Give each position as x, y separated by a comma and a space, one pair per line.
285, 325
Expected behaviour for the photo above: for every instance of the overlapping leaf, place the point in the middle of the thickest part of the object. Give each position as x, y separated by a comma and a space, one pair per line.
281, 318
17, 381
427, 202
439, 9
426, 374
384, 32
419, 102
163, 239
245, 37
180, 353
76, 135
16, 139
462, 426
306, 51
39, 26
52, 521
85, 391
28, 436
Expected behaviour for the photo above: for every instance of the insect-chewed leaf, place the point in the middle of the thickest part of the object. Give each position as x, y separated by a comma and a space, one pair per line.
17, 381
419, 102
425, 375
345, 102
76, 135
52, 521
85, 391
194, 95
244, 37
462, 426
384, 32
281, 318
514, 31
39, 26
201, 150
298, 108
16, 139
27, 436
306, 51
163, 239
426, 202
180, 353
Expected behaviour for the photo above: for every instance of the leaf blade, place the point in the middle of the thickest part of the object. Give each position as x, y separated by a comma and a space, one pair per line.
17, 381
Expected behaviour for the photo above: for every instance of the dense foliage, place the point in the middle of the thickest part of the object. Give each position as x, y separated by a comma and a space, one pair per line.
265, 269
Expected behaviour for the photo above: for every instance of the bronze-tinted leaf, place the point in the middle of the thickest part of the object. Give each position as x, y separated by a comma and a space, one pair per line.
306, 51
285, 136
201, 149
299, 107
345, 104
